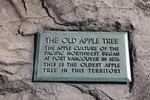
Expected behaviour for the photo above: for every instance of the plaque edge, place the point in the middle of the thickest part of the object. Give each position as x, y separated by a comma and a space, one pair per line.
35, 76
128, 67
82, 79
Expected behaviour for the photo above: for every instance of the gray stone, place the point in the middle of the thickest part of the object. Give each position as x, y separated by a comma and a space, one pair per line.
20, 19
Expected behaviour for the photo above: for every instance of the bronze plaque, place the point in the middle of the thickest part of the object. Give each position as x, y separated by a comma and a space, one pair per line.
82, 56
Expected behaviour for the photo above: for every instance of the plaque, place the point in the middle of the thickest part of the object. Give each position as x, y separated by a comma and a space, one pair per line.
82, 56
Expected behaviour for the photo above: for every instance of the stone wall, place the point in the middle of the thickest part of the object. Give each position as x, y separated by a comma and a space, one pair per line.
21, 19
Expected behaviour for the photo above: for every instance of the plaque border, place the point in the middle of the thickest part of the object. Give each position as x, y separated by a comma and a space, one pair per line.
36, 56
127, 57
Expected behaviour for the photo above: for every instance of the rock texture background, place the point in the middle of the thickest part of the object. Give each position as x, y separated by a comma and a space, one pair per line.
20, 19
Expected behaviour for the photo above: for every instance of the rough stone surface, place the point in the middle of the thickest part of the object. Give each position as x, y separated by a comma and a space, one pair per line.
20, 19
